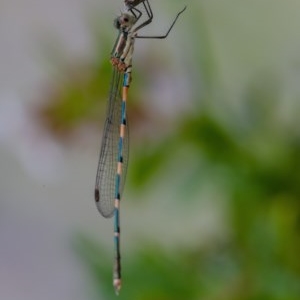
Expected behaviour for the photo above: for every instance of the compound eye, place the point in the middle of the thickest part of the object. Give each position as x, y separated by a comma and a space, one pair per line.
117, 23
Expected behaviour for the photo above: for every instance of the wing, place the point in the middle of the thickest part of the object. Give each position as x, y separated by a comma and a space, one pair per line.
107, 166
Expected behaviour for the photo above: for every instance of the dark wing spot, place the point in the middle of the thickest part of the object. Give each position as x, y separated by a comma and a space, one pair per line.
97, 195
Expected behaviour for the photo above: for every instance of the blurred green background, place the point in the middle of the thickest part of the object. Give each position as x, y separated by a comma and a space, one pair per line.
211, 208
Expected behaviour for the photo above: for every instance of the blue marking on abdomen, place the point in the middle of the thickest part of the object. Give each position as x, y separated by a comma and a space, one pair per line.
117, 188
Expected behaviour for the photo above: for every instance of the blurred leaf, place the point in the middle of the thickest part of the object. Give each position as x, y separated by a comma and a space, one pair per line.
214, 272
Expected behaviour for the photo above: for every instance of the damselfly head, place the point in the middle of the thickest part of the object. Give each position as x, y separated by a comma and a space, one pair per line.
125, 21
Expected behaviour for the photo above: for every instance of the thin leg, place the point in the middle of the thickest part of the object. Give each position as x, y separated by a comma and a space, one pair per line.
149, 14
158, 36
137, 13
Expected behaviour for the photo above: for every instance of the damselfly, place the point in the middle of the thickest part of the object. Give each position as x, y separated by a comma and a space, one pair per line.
113, 160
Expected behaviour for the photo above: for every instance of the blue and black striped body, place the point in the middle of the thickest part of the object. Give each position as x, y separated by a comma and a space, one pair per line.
120, 169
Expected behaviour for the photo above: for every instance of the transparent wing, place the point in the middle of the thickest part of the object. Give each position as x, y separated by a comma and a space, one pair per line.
107, 166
